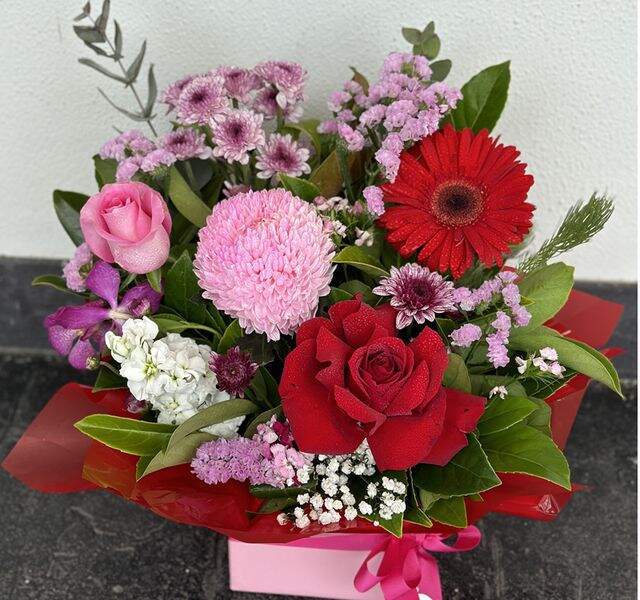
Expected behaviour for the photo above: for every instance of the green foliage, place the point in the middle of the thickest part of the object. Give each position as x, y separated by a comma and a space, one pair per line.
582, 222
358, 258
309, 128
540, 418
186, 201
571, 353
179, 453
264, 388
107, 379
483, 99
481, 385
440, 69
302, 188
450, 511
502, 413
328, 177
548, 290
523, 449
230, 337
155, 279
132, 436
67, 206
468, 472
457, 376
105, 170
169, 323
263, 417
54, 281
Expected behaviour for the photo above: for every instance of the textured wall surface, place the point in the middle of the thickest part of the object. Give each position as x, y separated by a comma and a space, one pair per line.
571, 111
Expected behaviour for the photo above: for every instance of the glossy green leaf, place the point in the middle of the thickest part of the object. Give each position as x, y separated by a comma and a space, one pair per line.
481, 385
230, 337
468, 472
483, 99
185, 199
548, 290
457, 376
303, 188
132, 436
523, 449
169, 323
217, 413
540, 418
502, 413
67, 206
450, 511
54, 281
142, 464
105, 170
108, 380
155, 279
177, 454
358, 258
571, 353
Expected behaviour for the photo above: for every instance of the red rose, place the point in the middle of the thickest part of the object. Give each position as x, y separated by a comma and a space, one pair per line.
350, 377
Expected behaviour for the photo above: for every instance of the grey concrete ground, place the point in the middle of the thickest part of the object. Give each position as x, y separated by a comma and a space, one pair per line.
94, 545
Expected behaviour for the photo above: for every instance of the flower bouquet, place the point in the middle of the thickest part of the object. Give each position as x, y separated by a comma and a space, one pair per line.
303, 333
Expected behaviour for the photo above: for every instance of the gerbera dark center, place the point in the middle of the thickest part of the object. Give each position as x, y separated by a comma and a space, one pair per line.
457, 203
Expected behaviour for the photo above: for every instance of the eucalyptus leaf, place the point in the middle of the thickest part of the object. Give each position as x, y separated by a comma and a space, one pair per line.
118, 41
523, 449
103, 19
217, 413
186, 200
131, 436
132, 115
152, 92
89, 34
502, 413
358, 258
67, 206
430, 47
468, 472
134, 69
483, 99
97, 67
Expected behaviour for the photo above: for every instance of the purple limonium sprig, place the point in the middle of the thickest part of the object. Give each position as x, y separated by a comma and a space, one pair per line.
76, 270
78, 331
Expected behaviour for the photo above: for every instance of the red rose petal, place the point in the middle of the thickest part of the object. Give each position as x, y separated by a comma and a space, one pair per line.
357, 409
412, 394
463, 412
428, 347
331, 349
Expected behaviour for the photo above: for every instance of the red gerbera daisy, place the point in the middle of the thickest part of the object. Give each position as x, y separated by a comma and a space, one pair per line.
458, 195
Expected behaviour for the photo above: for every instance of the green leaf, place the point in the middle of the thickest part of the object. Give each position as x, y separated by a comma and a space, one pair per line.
502, 413
263, 417
152, 92
67, 206
230, 337
457, 376
430, 47
571, 353
180, 453
273, 505
155, 279
103, 19
138, 117
185, 200
268, 491
97, 67
217, 413
416, 515
360, 79
88, 34
308, 127
108, 380
440, 69
358, 258
132, 436
169, 323
468, 472
54, 281
355, 286
118, 41
302, 188
105, 170
134, 69
327, 176
481, 385
540, 418
548, 288
483, 98
450, 511
338, 294
393, 525
141, 465
523, 449
413, 36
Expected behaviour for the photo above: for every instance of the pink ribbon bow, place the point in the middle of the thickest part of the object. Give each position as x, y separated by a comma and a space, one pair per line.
407, 567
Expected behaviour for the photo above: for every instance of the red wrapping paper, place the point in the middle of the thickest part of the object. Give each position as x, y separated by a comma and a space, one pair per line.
52, 456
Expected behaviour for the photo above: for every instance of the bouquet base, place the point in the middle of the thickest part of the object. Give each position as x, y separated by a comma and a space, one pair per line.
294, 571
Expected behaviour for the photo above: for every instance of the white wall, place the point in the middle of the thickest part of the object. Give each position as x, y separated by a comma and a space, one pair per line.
572, 105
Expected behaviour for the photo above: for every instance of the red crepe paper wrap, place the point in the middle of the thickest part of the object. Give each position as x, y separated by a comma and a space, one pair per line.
52, 456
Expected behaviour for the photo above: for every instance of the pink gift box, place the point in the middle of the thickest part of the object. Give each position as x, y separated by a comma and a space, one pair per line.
294, 571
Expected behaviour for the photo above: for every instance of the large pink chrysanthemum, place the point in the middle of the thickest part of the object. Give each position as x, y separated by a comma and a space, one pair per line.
263, 258
201, 99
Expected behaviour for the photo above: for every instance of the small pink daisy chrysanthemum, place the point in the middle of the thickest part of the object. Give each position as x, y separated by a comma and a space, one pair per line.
235, 133
238, 81
282, 154
185, 143
171, 95
264, 259
201, 99
287, 77
416, 293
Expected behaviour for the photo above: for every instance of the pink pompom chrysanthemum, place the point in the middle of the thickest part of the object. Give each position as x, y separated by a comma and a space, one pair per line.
235, 133
201, 99
264, 259
282, 154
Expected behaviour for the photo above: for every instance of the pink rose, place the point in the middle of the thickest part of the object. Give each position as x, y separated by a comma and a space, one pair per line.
129, 224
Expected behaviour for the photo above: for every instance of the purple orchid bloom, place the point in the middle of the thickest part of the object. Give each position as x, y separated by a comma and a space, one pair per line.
78, 331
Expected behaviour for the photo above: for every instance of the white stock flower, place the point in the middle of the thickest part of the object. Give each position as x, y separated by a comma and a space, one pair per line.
135, 332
